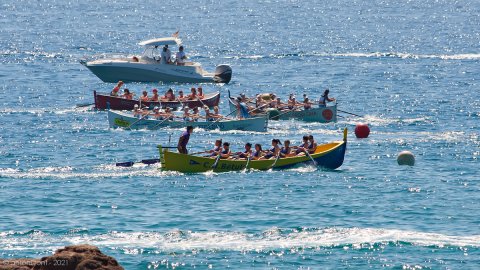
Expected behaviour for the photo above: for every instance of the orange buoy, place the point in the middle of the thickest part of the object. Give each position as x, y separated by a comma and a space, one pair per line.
362, 130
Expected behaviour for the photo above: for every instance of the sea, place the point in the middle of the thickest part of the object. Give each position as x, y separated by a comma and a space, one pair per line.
409, 69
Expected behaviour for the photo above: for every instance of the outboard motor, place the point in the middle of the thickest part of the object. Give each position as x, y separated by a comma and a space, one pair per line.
223, 74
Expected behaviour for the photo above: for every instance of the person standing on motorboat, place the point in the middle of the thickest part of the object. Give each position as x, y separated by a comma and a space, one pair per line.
180, 57
322, 102
166, 55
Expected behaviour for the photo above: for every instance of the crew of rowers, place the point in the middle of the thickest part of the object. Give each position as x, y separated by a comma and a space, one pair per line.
264, 101
307, 147
195, 93
189, 115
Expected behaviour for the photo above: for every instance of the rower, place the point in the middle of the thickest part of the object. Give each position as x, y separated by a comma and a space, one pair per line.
155, 95
200, 92
225, 153
183, 140
216, 114
292, 102
216, 149
258, 152
312, 145
169, 95
302, 147
195, 115
193, 95
208, 115
280, 105
286, 149
168, 114
273, 152
157, 114
186, 114
307, 105
181, 97
136, 111
245, 154
127, 94
144, 97
322, 102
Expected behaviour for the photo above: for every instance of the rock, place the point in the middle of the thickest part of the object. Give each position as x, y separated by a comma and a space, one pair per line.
80, 257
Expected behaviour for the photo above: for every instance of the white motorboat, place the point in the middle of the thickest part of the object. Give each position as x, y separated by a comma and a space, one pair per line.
149, 67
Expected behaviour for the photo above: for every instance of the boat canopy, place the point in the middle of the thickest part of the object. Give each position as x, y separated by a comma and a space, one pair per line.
161, 41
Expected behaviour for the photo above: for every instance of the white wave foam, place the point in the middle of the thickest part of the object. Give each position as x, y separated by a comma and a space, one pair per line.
102, 171
273, 238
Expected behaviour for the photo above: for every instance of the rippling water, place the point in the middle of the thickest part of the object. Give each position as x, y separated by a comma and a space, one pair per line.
410, 69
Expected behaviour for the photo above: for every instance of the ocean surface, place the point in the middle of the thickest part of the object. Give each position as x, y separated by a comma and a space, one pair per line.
410, 69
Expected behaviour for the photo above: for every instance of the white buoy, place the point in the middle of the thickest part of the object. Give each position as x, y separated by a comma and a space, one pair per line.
406, 158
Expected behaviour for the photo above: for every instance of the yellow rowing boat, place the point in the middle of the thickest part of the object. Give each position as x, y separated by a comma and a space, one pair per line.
330, 155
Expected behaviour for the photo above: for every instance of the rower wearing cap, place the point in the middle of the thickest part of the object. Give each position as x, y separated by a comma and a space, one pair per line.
208, 115
155, 96
136, 111
157, 114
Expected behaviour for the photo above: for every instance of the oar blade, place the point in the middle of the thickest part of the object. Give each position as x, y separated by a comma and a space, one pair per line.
150, 161
124, 164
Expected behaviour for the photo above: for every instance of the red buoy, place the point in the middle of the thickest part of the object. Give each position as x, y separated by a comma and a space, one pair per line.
362, 130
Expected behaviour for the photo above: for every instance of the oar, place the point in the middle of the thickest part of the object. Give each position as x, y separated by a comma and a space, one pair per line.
84, 105
216, 121
214, 166
248, 161
163, 121
289, 110
308, 155
349, 113
144, 161
276, 159
129, 127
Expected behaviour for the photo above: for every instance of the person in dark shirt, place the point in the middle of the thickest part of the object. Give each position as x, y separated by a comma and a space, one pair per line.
183, 140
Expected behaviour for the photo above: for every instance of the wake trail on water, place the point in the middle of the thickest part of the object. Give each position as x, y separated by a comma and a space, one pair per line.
271, 239
106, 171
399, 55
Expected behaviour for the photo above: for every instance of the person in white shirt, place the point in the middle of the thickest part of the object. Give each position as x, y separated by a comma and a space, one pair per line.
180, 56
165, 59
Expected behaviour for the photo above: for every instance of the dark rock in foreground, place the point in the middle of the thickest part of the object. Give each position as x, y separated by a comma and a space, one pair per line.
80, 257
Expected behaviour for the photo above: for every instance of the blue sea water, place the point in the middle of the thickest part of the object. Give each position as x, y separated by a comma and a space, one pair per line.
409, 68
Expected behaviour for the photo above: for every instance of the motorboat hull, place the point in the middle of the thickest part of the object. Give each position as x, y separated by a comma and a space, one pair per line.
128, 71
